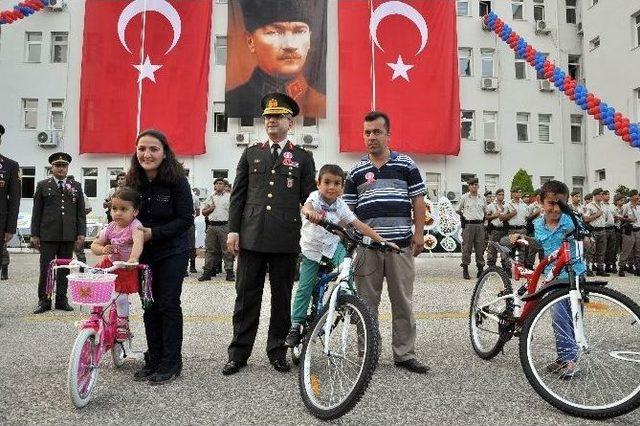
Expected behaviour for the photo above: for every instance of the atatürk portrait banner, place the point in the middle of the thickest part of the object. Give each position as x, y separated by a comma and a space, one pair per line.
276, 46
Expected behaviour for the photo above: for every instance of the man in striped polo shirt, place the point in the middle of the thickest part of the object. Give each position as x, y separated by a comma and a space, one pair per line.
383, 189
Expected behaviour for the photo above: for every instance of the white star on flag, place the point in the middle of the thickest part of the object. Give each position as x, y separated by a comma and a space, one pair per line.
147, 70
400, 69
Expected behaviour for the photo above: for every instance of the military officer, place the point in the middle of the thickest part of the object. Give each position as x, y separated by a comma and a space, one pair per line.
596, 215
10, 194
58, 225
612, 245
498, 228
575, 204
630, 255
273, 179
472, 211
278, 33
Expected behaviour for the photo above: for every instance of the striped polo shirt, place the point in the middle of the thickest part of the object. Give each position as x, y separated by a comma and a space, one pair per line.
382, 197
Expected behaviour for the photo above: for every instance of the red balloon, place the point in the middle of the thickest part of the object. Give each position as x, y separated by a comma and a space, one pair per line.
626, 137
598, 116
572, 97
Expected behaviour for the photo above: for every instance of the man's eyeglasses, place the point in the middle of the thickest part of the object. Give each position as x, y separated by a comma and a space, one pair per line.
374, 132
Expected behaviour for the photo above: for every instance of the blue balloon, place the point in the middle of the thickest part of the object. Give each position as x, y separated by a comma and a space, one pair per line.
635, 143
611, 126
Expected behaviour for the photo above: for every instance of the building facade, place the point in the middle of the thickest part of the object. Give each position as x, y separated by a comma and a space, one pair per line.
510, 118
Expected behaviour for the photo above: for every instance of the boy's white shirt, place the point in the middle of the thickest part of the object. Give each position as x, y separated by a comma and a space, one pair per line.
315, 241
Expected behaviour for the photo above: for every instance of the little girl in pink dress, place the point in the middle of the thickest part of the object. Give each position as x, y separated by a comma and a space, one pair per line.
122, 240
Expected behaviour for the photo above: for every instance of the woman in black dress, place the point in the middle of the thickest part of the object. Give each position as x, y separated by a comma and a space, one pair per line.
166, 212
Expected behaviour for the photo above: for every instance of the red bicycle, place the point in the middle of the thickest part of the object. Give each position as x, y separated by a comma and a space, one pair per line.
579, 340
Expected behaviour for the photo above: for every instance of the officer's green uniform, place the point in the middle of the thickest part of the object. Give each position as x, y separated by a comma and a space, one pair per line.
265, 211
58, 219
10, 193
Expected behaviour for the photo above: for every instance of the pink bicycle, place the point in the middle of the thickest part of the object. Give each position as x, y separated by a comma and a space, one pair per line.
97, 336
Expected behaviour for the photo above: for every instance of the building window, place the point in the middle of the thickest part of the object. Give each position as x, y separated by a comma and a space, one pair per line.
432, 182
220, 119
578, 184
29, 114
463, 8
517, 7
309, 122
112, 173
485, 7
220, 173
221, 50
489, 125
600, 175
33, 47
522, 126
576, 128
90, 181
491, 183
28, 179
538, 10
574, 66
545, 179
521, 67
594, 43
571, 11
486, 56
636, 29
464, 61
55, 114
246, 122
540, 75
59, 46
467, 130
544, 127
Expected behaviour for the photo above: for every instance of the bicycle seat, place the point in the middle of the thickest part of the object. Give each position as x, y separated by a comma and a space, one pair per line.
506, 250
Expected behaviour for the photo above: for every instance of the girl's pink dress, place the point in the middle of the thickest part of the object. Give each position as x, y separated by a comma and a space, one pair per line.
122, 239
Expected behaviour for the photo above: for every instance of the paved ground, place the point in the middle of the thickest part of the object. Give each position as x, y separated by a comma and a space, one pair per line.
460, 389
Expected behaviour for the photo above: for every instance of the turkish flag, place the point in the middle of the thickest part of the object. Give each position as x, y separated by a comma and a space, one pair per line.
145, 64
400, 57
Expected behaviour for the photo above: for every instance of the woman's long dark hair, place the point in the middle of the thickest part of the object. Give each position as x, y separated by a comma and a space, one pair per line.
170, 169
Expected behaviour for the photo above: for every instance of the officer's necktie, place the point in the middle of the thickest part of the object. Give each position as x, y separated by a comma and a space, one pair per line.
275, 154
60, 186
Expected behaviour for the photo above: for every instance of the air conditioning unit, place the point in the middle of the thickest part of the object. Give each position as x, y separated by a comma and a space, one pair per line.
309, 140
243, 139
542, 27
579, 25
453, 196
491, 147
57, 5
489, 83
545, 86
50, 138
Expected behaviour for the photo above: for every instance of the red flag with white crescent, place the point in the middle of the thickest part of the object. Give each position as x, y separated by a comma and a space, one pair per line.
400, 57
145, 64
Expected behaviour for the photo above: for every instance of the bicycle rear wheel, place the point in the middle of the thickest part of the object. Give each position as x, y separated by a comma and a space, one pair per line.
332, 384
599, 382
83, 367
487, 335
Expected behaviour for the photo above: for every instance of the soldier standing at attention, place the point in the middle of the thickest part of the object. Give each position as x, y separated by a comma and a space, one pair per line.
273, 179
471, 209
612, 247
596, 216
516, 213
498, 228
10, 193
58, 225
630, 256
575, 204
618, 204
590, 250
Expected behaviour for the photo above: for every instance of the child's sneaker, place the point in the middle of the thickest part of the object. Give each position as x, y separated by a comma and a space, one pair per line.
122, 329
294, 336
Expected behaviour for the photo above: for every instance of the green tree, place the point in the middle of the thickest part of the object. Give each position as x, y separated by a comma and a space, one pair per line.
523, 181
623, 190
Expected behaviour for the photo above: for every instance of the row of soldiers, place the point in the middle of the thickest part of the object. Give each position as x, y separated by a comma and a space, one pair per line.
615, 227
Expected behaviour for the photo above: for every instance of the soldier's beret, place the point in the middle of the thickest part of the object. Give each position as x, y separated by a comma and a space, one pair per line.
59, 157
605, 191
487, 193
279, 103
516, 189
575, 192
596, 191
633, 192
1, 130
618, 197
258, 13
588, 196
499, 191
472, 181
218, 180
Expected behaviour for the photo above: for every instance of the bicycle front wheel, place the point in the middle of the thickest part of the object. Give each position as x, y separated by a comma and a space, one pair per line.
83, 367
489, 335
332, 383
598, 381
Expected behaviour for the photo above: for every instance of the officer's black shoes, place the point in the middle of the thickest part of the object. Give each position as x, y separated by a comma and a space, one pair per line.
232, 367
294, 336
42, 307
413, 365
192, 266
204, 277
281, 365
601, 271
144, 373
165, 375
230, 275
621, 271
480, 269
4, 273
590, 272
465, 272
64, 307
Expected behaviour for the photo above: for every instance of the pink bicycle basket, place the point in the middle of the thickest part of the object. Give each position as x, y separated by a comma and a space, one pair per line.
91, 289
